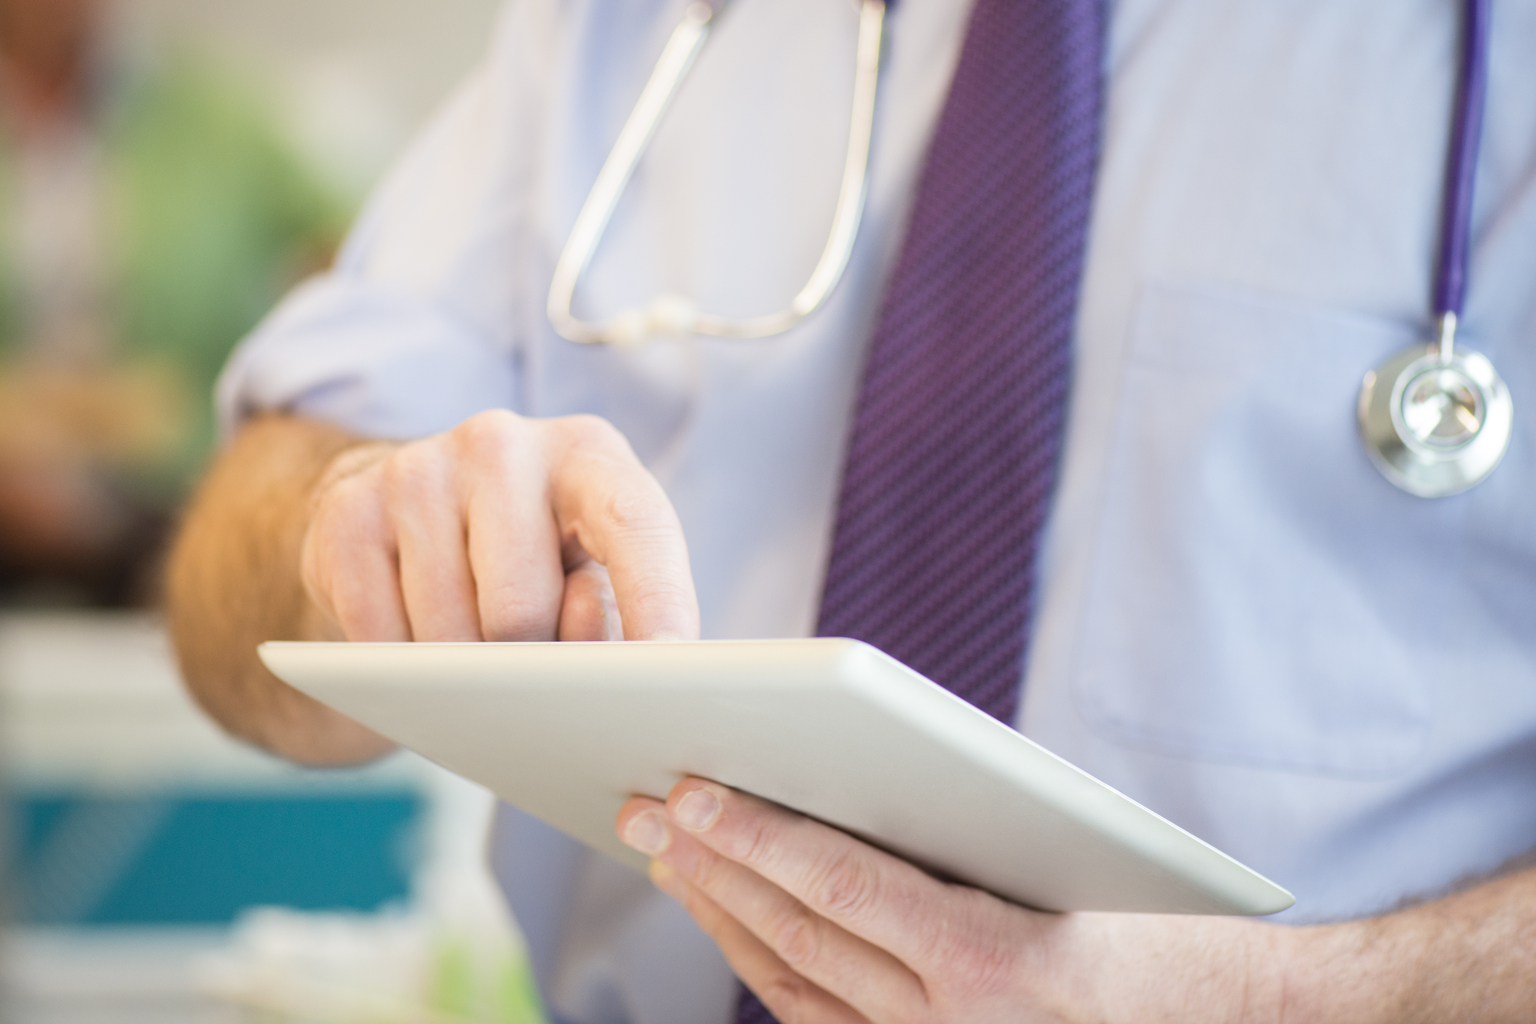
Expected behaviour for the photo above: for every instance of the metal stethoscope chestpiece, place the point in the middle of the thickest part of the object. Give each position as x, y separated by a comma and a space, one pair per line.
1435, 420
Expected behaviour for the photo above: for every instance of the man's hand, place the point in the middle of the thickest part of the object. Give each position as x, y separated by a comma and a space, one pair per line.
504, 528
827, 929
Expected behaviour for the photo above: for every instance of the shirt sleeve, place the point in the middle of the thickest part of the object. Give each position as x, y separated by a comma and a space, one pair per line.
413, 330
368, 358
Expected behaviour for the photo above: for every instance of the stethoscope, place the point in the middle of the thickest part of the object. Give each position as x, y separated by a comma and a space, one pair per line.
1435, 418
672, 315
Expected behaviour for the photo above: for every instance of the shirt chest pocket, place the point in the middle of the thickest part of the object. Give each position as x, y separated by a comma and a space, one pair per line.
1259, 594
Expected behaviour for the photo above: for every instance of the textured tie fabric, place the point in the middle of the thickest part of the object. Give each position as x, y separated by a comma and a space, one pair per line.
952, 457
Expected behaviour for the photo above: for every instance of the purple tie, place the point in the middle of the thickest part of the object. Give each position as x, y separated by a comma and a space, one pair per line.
952, 457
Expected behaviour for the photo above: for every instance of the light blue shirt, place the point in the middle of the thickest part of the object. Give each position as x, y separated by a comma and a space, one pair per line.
1240, 622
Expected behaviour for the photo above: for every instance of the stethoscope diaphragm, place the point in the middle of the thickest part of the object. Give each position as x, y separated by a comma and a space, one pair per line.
1435, 422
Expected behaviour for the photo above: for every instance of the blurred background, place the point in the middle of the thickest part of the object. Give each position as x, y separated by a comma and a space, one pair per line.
168, 168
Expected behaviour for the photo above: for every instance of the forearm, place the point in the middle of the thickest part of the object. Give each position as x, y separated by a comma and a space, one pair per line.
234, 582
1470, 957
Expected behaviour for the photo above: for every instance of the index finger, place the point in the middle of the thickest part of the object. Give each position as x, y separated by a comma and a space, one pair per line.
610, 504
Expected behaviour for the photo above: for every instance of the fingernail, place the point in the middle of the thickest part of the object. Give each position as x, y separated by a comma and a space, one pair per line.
647, 832
697, 811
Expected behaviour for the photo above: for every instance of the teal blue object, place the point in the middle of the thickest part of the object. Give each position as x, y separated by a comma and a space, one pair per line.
201, 860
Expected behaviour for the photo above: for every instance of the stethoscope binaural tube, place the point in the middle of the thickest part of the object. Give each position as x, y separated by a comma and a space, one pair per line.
671, 315
1436, 419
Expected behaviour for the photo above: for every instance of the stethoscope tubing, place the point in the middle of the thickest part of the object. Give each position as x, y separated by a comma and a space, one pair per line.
1461, 172
674, 315
676, 58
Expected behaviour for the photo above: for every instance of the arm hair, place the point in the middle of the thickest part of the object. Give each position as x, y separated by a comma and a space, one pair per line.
233, 582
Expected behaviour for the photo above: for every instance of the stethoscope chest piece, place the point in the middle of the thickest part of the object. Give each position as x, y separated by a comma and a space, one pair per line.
1435, 423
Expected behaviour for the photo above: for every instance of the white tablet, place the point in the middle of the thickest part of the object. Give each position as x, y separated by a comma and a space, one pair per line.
831, 728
